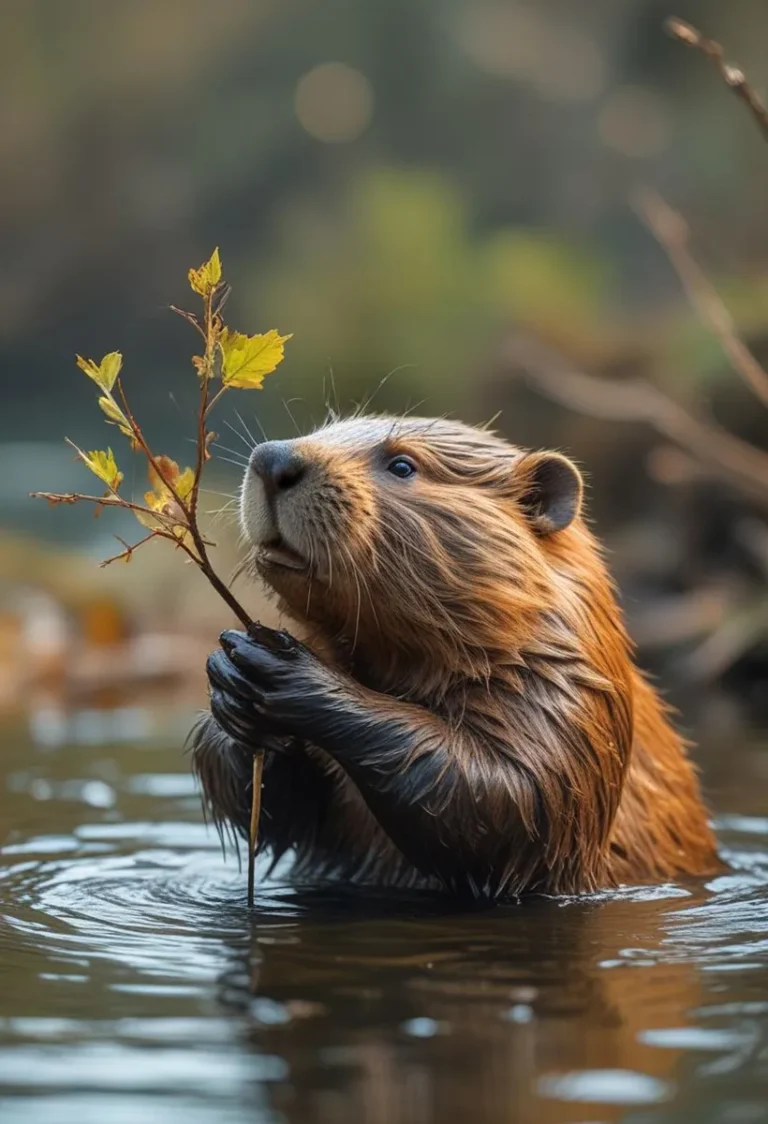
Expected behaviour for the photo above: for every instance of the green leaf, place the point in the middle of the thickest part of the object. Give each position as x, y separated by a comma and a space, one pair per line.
116, 417
105, 373
103, 465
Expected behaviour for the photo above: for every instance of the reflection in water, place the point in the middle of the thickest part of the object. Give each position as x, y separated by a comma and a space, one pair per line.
135, 983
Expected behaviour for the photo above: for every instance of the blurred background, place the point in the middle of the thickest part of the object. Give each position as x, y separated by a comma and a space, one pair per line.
435, 197
439, 199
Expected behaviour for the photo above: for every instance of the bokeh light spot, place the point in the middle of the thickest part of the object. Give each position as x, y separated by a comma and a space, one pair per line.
334, 102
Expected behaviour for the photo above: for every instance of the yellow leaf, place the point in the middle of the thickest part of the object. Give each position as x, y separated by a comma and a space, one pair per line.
103, 465
116, 416
246, 360
104, 374
205, 279
161, 498
169, 473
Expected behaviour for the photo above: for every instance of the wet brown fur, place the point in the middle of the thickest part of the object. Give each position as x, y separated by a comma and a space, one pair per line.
454, 593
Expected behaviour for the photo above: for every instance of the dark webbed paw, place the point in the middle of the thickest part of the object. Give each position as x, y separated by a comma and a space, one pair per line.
231, 702
237, 674
273, 676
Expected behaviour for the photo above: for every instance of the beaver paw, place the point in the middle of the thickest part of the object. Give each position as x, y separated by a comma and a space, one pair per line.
263, 682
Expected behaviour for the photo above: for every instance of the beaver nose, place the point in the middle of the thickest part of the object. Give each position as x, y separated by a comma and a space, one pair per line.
278, 465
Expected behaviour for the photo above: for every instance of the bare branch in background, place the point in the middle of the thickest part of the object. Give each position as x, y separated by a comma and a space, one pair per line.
733, 622
637, 400
732, 639
732, 75
752, 534
682, 618
671, 231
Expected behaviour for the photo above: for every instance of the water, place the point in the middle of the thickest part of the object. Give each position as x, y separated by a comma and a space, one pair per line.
135, 985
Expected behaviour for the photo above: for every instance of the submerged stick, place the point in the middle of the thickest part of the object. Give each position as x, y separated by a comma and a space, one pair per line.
253, 834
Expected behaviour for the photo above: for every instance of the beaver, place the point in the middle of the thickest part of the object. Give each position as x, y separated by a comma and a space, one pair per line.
461, 709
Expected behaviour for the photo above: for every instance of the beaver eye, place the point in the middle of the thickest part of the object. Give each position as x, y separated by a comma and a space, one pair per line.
401, 467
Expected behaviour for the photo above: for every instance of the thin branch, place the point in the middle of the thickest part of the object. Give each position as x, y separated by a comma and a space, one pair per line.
190, 509
130, 549
223, 591
176, 521
753, 535
103, 501
671, 232
216, 397
732, 639
732, 75
636, 400
205, 375
189, 317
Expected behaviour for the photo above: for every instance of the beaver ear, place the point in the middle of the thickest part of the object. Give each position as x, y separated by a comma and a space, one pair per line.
552, 490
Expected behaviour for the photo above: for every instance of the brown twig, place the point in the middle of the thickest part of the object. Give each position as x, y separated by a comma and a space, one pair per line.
128, 552
189, 317
253, 834
101, 501
671, 231
171, 511
732, 75
205, 375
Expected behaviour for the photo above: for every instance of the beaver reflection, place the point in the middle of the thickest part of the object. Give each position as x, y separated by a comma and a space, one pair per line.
449, 1017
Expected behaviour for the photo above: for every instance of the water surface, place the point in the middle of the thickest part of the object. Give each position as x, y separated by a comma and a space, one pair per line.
136, 985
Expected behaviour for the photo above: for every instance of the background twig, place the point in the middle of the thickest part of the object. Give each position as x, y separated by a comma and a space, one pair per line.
671, 231
732, 75
640, 401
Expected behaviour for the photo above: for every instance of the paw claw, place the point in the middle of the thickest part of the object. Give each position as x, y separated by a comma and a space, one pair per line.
230, 637
285, 642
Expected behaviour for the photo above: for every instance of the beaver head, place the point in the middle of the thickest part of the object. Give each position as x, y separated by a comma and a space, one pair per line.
424, 538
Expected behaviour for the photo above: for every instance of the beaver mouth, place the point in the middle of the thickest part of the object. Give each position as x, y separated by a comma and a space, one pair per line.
277, 553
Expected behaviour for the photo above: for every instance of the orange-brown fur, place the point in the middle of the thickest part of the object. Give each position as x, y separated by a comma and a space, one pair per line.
453, 593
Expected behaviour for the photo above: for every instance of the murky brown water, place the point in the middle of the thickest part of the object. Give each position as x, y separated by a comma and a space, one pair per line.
136, 987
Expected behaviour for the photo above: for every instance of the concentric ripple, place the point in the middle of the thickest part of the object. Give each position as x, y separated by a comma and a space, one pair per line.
136, 984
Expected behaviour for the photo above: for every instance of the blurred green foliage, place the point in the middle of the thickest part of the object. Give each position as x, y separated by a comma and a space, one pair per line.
487, 183
393, 269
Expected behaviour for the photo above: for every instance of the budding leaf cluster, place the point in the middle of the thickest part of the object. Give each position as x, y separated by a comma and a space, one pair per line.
205, 279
